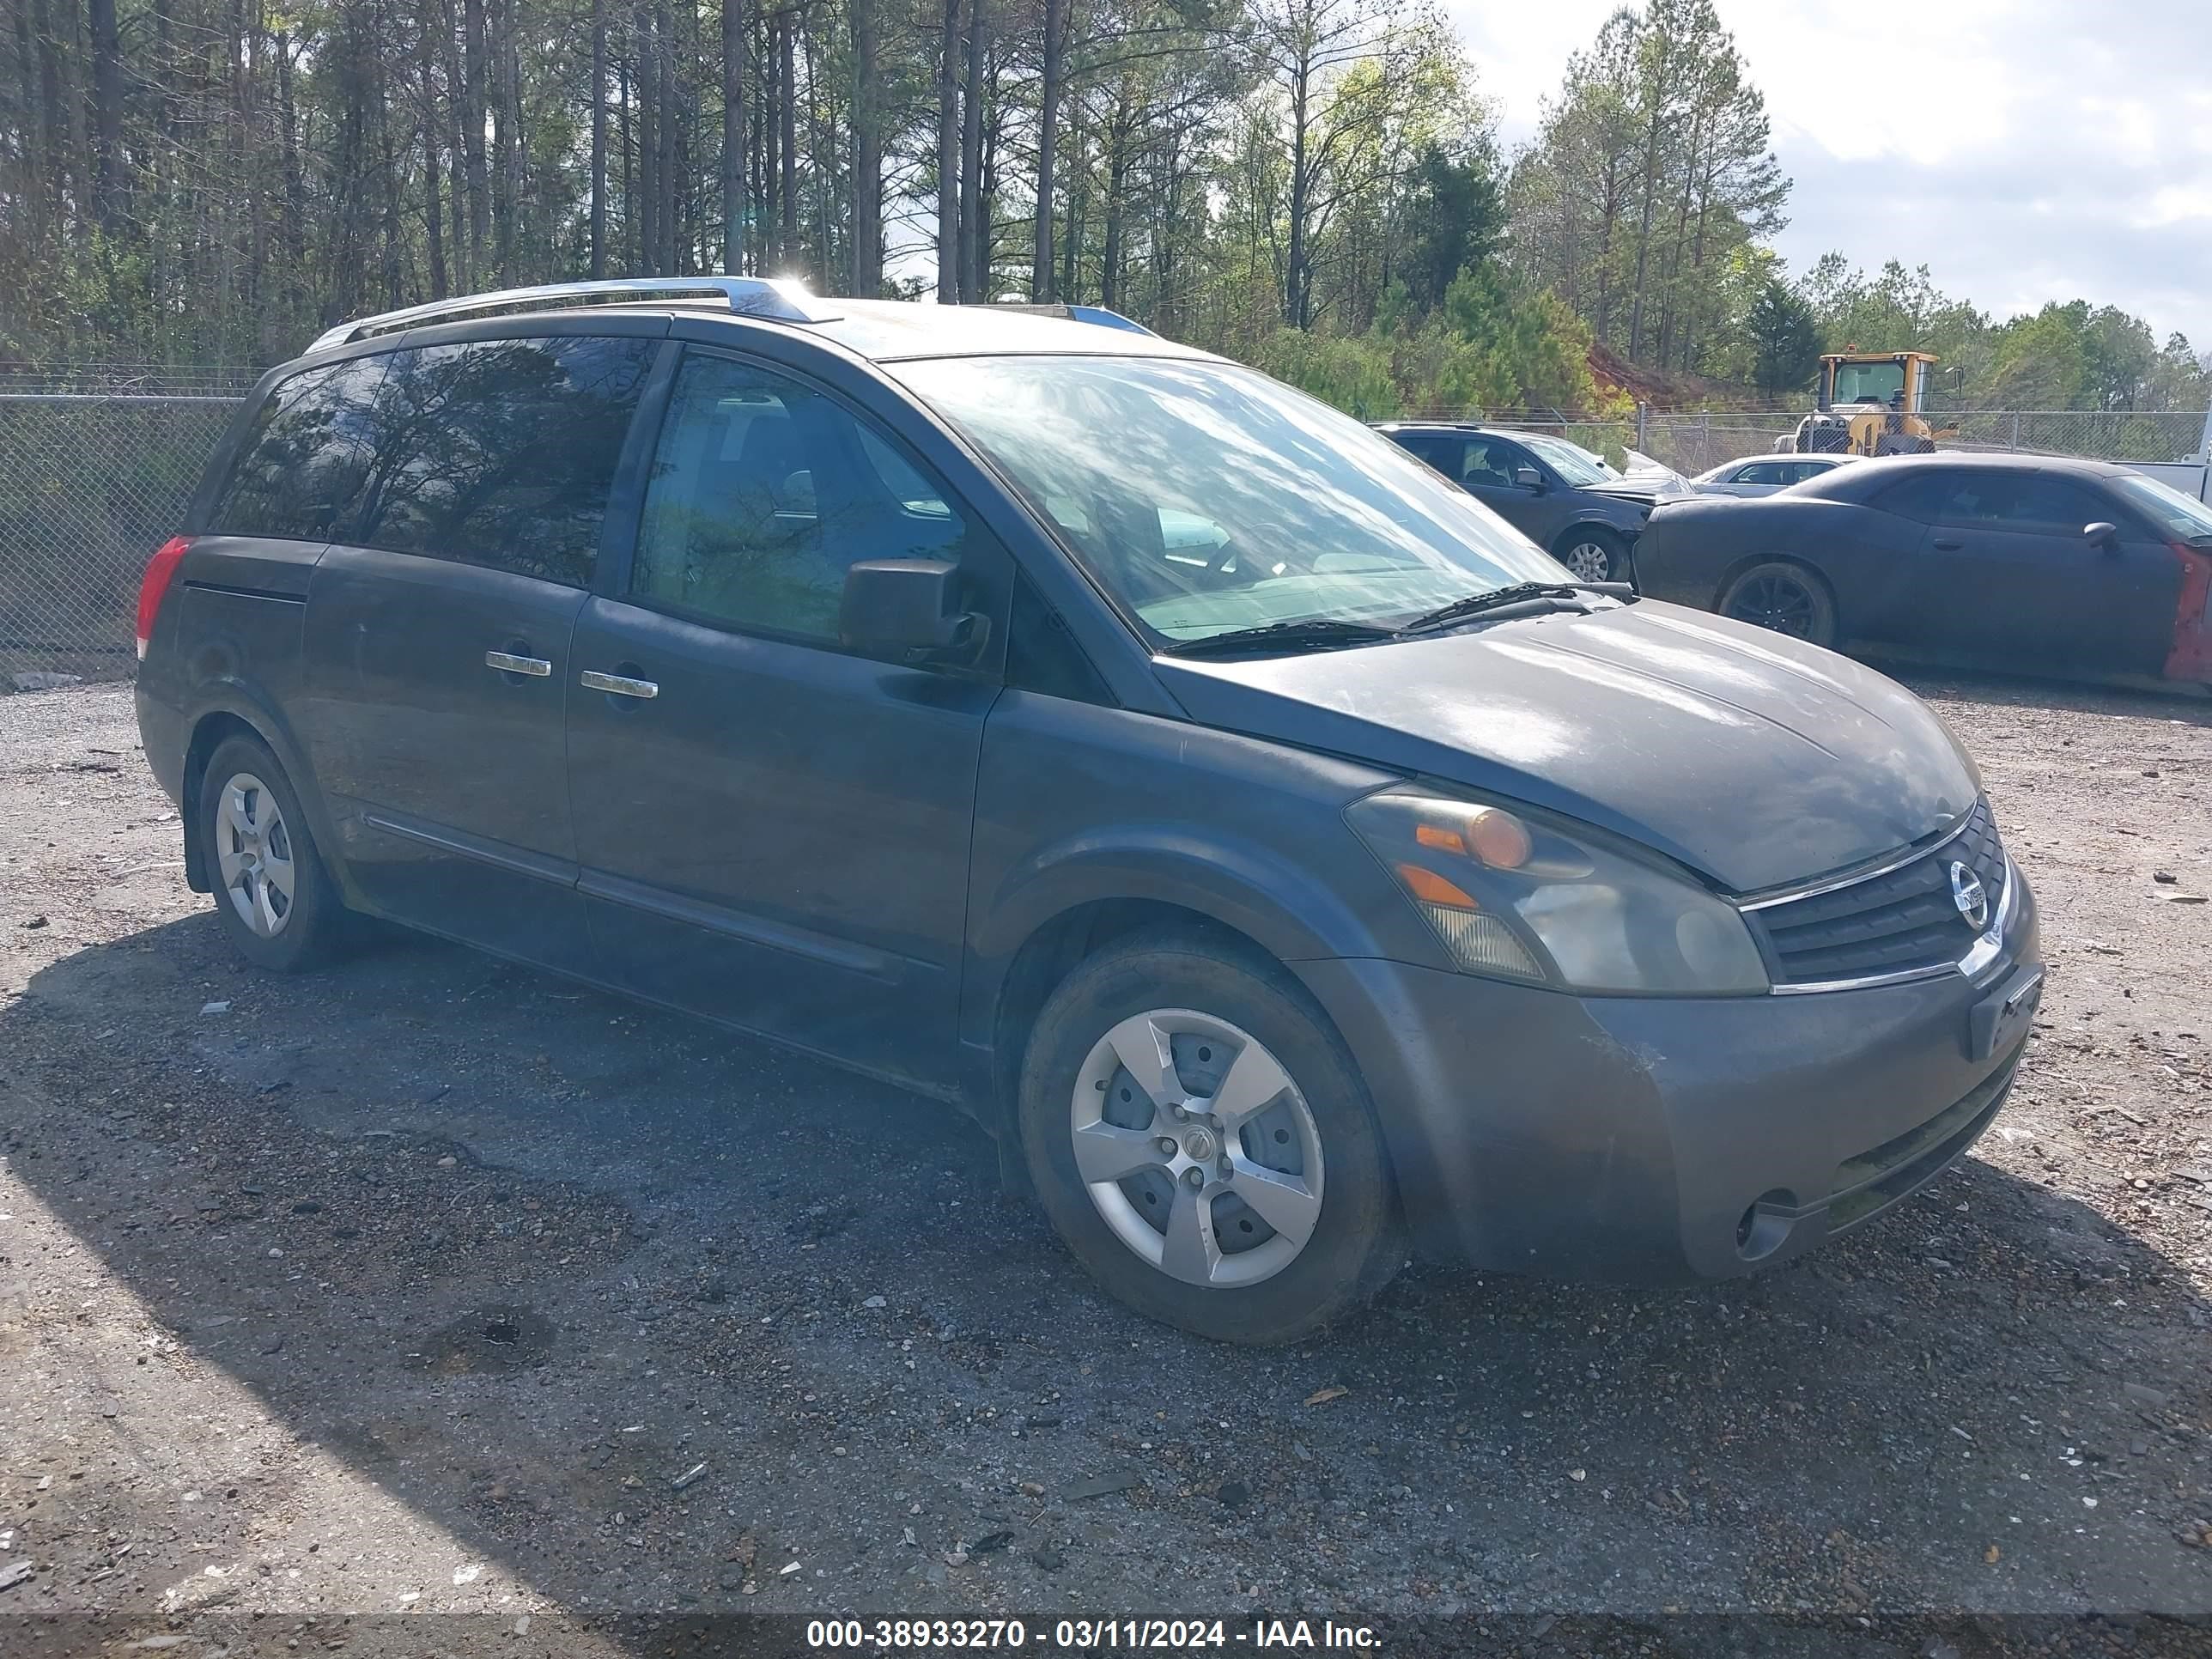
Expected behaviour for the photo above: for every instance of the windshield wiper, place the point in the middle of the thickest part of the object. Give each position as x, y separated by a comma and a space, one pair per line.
1476, 604
1315, 632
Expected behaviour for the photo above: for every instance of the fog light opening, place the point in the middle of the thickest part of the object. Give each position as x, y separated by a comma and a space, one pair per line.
1765, 1223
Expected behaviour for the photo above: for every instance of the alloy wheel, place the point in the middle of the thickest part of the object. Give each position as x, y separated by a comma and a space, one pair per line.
253, 853
1590, 562
1776, 601
1197, 1148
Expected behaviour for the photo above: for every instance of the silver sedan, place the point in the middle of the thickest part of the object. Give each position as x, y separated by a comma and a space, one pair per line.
1762, 474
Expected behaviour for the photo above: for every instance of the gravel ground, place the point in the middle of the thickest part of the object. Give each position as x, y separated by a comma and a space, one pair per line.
429, 1285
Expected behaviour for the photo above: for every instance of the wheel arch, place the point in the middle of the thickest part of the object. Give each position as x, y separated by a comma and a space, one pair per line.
1072, 908
240, 717
1583, 526
1736, 567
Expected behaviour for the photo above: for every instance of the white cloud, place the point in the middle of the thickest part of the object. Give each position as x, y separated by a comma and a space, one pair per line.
2024, 150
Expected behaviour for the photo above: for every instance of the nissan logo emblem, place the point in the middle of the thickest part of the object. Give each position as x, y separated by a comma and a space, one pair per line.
1971, 896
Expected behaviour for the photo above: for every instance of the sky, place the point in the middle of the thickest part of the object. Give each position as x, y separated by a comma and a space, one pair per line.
2023, 150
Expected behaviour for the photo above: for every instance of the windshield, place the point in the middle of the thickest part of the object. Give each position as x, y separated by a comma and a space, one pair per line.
2172, 511
1574, 463
1867, 383
1206, 498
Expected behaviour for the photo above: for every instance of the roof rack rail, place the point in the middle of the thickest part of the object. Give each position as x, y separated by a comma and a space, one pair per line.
1067, 312
774, 298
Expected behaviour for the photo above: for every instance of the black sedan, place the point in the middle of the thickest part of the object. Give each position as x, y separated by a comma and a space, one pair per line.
2026, 562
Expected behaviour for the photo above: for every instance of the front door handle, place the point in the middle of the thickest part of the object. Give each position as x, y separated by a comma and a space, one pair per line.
1945, 545
620, 686
508, 663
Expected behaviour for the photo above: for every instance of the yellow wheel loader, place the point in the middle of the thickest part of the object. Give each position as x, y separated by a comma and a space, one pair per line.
1870, 404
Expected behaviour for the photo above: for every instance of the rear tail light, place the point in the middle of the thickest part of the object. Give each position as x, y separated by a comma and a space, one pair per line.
160, 570
2195, 585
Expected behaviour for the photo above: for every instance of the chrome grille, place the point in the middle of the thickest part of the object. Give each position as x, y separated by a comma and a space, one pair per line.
1896, 921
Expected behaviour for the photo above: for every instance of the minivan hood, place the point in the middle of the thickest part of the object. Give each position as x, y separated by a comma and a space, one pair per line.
1754, 759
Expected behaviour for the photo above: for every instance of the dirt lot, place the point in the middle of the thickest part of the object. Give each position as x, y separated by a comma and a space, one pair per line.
430, 1287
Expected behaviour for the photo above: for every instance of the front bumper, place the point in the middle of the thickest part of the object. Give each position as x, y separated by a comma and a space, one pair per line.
1669, 1139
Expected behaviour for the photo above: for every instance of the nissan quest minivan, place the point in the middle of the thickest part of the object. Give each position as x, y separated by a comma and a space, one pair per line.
1288, 863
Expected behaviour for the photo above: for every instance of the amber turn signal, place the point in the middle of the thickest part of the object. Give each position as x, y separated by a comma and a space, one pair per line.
1429, 886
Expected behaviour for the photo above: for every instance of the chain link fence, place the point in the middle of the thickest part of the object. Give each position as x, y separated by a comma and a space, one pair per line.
92, 478
1694, 443
91, 484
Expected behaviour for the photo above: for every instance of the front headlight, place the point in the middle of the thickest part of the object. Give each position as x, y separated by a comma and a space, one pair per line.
1514, 896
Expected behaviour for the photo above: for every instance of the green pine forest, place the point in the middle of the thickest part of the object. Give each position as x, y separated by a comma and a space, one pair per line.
1316, 186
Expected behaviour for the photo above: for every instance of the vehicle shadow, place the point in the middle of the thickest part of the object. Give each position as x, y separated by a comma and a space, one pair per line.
632, 1316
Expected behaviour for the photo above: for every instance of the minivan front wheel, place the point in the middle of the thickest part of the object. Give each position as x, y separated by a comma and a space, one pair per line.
1203, 1145
273, 896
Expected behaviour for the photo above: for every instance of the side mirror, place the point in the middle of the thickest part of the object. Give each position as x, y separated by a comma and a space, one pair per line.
1529, 478
2105, 538
909, 610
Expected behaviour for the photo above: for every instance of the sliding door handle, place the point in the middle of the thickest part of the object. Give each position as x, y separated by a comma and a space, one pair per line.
508, 663
620, 686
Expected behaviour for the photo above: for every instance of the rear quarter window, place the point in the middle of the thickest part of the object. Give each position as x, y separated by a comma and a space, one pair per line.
299, 472
502, 452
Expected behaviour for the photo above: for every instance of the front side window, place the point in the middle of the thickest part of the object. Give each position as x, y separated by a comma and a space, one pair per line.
2019, 499
502, 452
1489, 462
1922, 496
764, 492
1204, 498
1767, 472
300, 468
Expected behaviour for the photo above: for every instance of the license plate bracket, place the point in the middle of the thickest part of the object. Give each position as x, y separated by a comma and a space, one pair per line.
2000, 1020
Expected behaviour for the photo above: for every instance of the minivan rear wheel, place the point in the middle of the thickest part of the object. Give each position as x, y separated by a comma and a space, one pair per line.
1202, 1143
273, 895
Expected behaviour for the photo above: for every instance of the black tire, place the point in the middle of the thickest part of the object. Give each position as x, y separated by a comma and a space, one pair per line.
1593, 554
1356, 1244
313, 926
1787, 598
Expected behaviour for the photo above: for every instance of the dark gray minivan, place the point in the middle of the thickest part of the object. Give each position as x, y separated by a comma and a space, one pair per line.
1284, 860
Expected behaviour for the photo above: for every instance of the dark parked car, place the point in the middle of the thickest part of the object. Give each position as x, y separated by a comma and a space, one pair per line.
1276, 854
1558, 496
2018, 561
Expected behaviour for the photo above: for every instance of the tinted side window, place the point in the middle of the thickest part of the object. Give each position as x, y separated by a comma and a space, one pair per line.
500, 452
302, 463
2022, 499
1767, 472
1920, 497
1428, 447
764, 492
